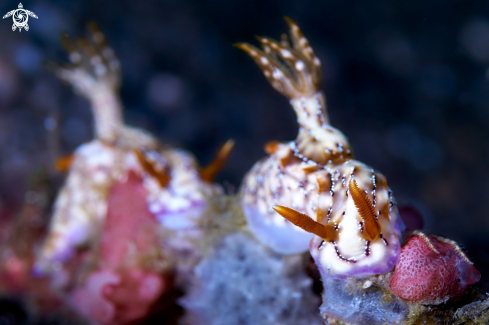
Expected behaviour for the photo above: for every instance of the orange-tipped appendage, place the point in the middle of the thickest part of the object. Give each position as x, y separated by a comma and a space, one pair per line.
259, 57
209, 172
251, 50
97, 36
271, 147
162, 176
64, 163
303, 221
68, 44
371, 228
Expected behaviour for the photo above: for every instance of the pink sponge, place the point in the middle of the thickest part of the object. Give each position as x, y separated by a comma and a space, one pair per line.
130, 230
432, 270
117, 298
122, 290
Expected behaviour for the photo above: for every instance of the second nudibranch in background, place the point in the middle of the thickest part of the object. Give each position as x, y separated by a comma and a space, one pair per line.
357, 228
176, 189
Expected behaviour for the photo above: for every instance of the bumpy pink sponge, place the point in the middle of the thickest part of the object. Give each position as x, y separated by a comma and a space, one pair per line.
122, 291
432, 270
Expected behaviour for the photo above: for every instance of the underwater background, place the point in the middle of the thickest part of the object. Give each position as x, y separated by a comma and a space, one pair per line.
407, 81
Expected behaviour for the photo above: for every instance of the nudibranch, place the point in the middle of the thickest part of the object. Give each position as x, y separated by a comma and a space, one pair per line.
176, 191
357, 228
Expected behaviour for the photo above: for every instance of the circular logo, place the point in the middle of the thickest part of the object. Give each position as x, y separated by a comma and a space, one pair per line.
20, 17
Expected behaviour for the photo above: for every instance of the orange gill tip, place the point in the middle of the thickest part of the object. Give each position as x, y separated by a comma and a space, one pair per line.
296, 32
266, 45
326, 232
267, 41
281, 48
246, 47
208, 172
371, 228
98, 38
276, 46
256, 54
271, 147
291, 22
100, 41
97, 35
300, 42
67, 42
92, 26
296, 35
86, 46
64, 163
70, 48
259, 56
162, 175
101, 46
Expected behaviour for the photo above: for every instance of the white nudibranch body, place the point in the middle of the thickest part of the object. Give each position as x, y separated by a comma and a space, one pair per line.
81, 206
313, 182
278, 179
176, 192
364, 243
179, 204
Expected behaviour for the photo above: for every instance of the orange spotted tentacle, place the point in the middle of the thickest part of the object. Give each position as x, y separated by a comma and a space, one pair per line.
326, 232
367, 212
209, 172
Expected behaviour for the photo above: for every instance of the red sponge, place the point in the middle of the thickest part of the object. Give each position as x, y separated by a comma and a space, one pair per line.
432, 270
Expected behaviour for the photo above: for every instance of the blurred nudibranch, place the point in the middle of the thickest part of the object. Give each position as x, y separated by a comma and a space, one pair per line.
176, 187
357, 228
